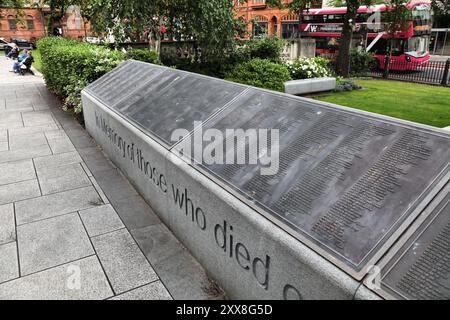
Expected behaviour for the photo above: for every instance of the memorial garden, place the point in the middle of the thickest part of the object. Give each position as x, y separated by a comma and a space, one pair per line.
185, 170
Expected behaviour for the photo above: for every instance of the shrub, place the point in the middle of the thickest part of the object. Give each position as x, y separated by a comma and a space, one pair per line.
68, 66
266, 48
261, 73
303, 68
143, 55
361, 62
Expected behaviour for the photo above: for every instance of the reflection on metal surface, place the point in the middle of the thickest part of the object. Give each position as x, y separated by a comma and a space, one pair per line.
421, 269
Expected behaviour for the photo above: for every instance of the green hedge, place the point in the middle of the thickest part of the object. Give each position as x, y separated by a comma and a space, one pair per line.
68, 66
261, 73
143, 55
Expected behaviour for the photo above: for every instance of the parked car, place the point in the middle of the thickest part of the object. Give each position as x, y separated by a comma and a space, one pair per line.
23, 44
3, 44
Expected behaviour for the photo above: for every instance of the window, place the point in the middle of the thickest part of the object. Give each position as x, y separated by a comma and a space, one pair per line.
260, 29
30, 23
12, 23
289, 29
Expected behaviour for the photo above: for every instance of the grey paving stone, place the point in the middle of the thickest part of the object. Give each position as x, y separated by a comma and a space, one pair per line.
115, 186
152, 291
56, 204
135, 212
60, 283
10, 120
99, 190
62, 178
51, 242
16, 171
7, 224
23, 104
55, 134
3, 135
15, 155
100, 220
124, 264
57, 160
168, 256
9, 267
4, 146
19, 191
20, 142
61, 145
83, 141
37, 118
95, 160
32, 130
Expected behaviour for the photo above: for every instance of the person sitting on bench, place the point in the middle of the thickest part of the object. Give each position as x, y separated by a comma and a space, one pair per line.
25, 65
13, 53
16, 65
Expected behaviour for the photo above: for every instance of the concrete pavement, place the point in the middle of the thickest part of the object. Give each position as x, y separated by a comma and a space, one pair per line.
71, 226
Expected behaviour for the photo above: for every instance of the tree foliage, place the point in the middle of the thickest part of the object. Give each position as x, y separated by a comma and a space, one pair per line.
441, 10
211, 23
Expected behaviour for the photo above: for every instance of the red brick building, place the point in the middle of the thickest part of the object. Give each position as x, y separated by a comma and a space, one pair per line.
31, 23
264, 20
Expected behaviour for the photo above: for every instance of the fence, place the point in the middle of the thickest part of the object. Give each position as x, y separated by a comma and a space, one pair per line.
431, 72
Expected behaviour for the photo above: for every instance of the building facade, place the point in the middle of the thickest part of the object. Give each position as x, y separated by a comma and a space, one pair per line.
266, 21
30, 23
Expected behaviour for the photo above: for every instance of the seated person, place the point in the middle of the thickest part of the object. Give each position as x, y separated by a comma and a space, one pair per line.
13, 53
25, 62
23, 56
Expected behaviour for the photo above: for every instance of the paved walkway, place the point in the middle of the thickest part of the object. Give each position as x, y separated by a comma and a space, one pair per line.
71, 226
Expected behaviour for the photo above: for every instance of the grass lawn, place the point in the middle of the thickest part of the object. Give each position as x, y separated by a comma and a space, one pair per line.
414, 102
37, 60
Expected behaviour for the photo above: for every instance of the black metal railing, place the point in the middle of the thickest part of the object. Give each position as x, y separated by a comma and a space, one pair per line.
431, 72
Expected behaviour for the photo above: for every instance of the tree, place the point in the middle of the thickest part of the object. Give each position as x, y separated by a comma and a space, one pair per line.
58, 9
396, 19
210, 24
441, 9
343, 60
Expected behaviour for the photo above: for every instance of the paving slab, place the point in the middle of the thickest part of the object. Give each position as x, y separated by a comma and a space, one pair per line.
37, 118
124, 263
56, 204
16, 171
112, 182
95, 159
57, 160
168, 256
51, 242
32, 130
62, 178
3, 135
152, 291
101, 220
4, 146
19, 191
61, 283
135, 212
7, 224
21, 142
14, 155
9, 267
61, 145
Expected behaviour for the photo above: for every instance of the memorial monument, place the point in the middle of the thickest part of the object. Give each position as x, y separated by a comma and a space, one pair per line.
356, 205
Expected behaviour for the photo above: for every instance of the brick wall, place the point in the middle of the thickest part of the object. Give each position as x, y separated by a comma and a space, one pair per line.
31, 24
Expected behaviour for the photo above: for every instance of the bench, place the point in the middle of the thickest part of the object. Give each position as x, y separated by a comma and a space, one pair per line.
305, 86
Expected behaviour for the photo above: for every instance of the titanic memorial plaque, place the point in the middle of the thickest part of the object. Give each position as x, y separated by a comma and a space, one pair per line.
421, 268
346, 181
